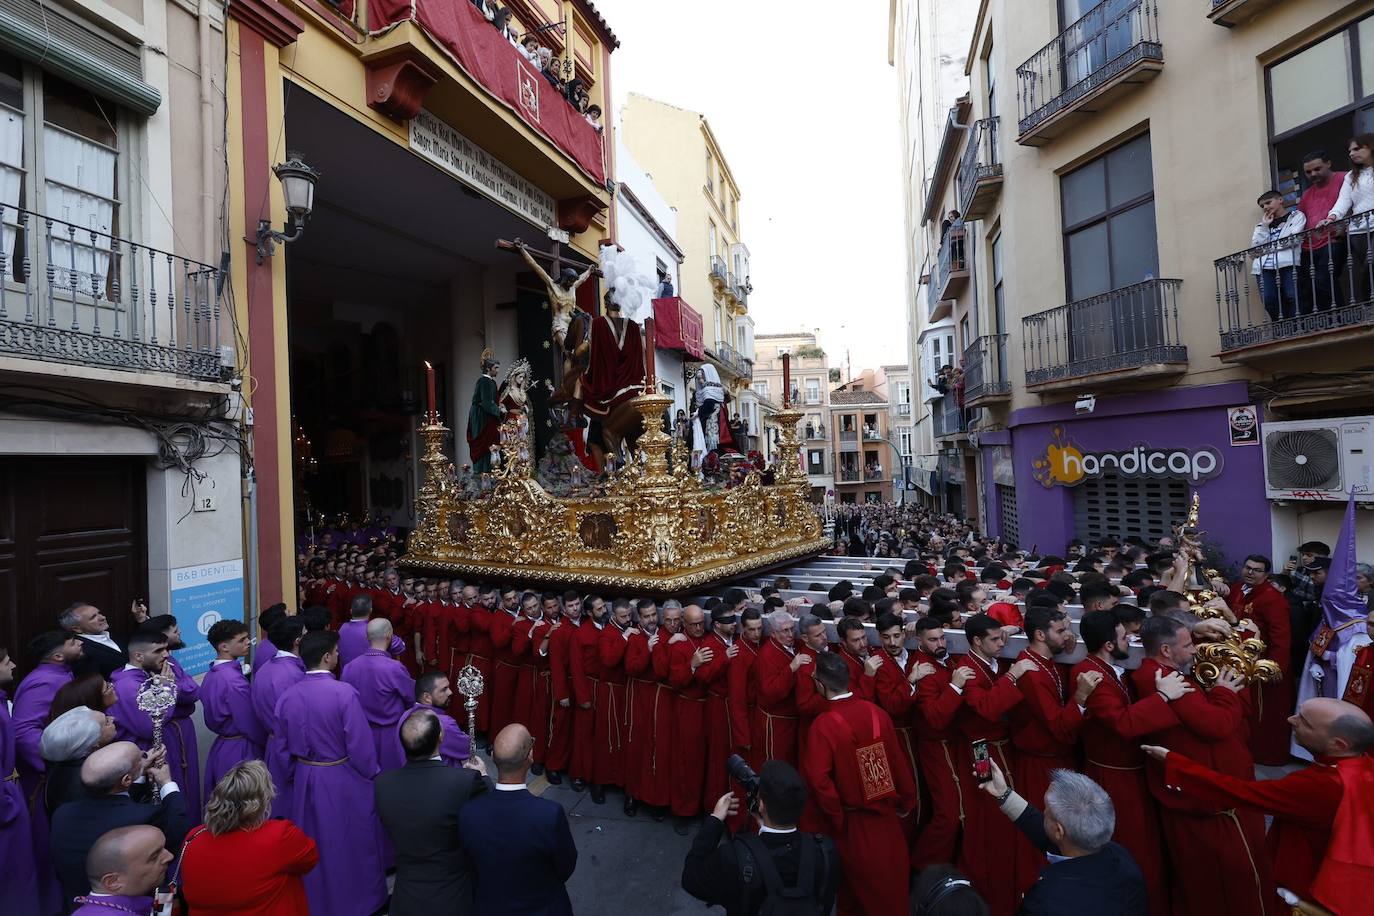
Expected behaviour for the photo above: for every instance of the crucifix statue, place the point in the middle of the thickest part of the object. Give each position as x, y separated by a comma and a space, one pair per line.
567, 329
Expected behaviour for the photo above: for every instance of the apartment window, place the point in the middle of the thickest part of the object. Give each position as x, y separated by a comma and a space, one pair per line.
813, 391
949, 349
1318, 98
668, 389
719, 337
906, 443
815, 461
59, 155
1109, 221
903, 393
711, 239
1102, 32
964, 333
710, 179
761, 388
990, 74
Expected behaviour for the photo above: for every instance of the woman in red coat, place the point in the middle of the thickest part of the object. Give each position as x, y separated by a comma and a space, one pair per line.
241, 861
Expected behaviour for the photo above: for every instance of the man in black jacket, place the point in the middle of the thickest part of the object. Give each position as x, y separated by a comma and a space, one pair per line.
729, 874
1087, 872
107, 776
419, 805
101, 652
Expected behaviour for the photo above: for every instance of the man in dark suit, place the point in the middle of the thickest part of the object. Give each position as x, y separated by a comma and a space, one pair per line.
419, 806
712, 871
521, 848
101, 652
107, 776
1087, 872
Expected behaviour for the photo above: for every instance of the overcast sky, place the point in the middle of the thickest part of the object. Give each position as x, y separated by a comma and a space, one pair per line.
804, 105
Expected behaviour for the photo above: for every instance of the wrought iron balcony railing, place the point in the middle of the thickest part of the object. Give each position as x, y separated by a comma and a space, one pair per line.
952, 268
980, 172
734, 360
718, 269
948, 416
849, 435
1311, 284
985, 368
870, 474
849, 475
72, 294
1104, 45
903, 410
1126, 328
814, 433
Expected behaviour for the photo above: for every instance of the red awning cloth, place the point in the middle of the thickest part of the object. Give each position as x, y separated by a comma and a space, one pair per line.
677, 326
485, 55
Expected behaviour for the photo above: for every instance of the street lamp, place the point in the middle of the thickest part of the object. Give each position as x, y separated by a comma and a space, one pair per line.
298, 188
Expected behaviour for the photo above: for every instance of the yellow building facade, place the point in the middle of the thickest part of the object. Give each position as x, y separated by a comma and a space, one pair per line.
1089, 224
433, 137
689, 168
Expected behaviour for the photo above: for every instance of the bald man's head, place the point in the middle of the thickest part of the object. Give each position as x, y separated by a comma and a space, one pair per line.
112, 768
511, 752
421, 734
128, 861
379, 633
1332, 728
694, 621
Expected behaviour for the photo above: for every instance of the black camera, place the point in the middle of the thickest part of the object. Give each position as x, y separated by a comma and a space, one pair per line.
748, 780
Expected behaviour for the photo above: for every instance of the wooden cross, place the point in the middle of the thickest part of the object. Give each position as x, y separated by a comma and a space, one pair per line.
554, 257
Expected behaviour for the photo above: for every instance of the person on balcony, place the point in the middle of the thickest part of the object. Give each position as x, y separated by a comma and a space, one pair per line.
1323, 254
1277, 268
530, 45
593, 116
951, 221
1357, 196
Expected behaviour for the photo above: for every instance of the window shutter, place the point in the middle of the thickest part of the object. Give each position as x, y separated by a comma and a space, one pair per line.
47, 36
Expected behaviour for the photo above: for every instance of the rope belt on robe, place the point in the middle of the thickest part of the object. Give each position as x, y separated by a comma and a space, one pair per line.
322, 763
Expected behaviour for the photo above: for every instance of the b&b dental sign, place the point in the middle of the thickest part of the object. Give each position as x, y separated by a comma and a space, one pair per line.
1065, 464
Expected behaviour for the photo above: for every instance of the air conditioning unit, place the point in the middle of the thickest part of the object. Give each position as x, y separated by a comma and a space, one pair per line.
1319, 459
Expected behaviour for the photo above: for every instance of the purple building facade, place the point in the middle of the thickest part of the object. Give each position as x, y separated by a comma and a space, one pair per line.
1052, 463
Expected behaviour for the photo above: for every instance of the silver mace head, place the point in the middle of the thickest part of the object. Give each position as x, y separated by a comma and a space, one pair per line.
470, 682
156, 696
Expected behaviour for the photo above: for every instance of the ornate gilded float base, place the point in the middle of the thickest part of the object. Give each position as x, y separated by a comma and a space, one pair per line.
652, 528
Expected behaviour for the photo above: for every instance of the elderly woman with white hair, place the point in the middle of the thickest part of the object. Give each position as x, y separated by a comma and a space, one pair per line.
65, 744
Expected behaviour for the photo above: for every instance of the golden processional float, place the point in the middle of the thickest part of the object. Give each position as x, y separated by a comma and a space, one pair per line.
649, 524
1242, 650
652, 526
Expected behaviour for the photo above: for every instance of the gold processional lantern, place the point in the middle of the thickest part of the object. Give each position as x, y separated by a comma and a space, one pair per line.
1239, 652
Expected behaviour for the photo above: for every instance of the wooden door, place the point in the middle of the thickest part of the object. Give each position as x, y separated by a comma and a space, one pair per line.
71, 529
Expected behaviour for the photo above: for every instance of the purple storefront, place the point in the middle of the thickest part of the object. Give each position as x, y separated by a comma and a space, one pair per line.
1127, 468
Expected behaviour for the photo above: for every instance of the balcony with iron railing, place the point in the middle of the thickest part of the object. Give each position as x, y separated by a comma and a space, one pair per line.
734, 361
1234, 12
936, 308
948, 417
1127, 335
849, 440
980, 172
849, 475
814, 433
952, 271
871, 474
872, 434
75, 295
720, 274
1111, 49
1296, 306
985, 371
903, 410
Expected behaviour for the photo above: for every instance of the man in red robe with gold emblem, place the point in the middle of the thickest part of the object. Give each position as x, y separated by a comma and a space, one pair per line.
1045, 728
529, 643
1218, 857
1116, 720
853, 766
1255, 598
896, 673
742, 698
586, 677
853, 650
986, 854
563, 650
505, 668
477, 617
1304, 804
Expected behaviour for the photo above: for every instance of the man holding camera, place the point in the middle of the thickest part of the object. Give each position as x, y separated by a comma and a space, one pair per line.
778, 862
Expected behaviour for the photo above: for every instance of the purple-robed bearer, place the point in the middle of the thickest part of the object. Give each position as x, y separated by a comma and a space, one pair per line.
148, 654
1332, 650
432, 692
18, 869
269, 683
353, 637
133, 861
54, 653
385, 690
227, 704
333, 761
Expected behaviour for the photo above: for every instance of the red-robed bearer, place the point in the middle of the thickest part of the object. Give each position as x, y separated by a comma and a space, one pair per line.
853, 764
